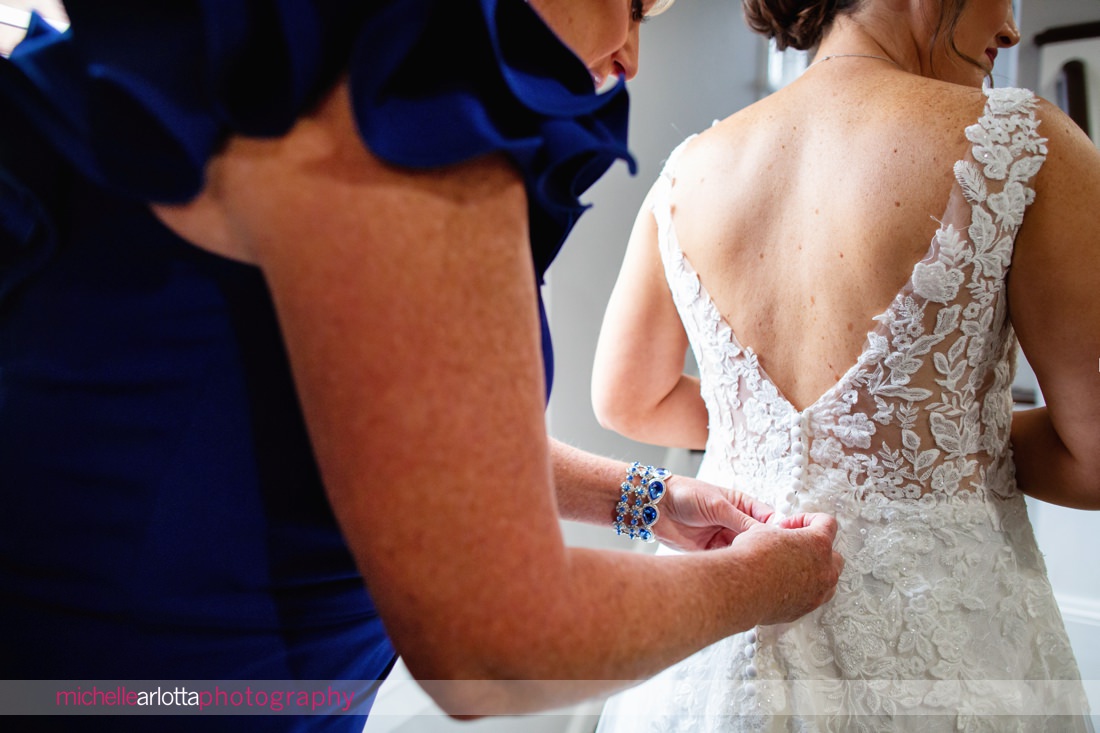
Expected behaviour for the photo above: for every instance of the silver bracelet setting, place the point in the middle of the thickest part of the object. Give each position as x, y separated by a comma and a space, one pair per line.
637, 511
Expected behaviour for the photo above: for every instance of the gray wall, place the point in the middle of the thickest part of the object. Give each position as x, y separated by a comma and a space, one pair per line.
1036, 16
698, 63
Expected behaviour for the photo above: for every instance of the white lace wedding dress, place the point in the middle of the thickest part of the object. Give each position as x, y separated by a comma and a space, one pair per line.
943, 618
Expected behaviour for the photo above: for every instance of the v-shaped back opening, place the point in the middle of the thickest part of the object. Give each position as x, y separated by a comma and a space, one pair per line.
878, 325
925, 408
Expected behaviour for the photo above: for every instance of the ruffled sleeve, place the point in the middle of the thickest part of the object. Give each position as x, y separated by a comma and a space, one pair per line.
138, 97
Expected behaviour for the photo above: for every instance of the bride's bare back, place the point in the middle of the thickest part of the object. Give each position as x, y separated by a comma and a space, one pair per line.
805, 213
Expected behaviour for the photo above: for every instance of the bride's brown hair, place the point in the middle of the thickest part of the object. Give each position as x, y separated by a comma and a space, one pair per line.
801, 23
794, 23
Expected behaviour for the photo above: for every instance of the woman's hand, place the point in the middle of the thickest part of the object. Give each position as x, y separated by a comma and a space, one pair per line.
696, 515
796, 567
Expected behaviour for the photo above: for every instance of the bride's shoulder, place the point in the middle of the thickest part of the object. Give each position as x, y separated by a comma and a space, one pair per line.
764, 111
746, 126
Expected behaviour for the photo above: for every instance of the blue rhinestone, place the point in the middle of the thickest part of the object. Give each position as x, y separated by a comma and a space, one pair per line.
656, 490
646, 535
650, 514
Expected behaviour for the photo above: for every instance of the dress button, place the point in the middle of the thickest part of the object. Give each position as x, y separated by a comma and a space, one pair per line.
796, 472
798, 449
791, 498
750, 689
750, 650
750, 636
750, 671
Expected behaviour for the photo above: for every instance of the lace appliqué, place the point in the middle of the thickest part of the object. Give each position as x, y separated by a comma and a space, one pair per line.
943, 618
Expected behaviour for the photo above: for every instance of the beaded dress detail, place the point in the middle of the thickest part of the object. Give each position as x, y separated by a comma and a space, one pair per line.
943, 618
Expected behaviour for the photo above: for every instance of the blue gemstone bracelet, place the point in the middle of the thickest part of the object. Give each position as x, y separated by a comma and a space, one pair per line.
637, 511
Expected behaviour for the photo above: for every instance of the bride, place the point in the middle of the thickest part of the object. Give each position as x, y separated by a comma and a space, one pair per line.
850, 262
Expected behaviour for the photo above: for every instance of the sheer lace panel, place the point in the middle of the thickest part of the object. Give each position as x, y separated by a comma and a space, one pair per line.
925, 410
943, 619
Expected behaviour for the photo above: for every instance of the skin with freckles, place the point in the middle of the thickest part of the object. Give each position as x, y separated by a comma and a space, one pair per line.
425, 403
840, 177
789, 243
801, 150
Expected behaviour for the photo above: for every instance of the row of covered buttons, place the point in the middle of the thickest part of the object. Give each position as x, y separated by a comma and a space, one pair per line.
800, 450
750, 669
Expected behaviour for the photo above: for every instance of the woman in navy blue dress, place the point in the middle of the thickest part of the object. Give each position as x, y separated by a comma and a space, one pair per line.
271, 369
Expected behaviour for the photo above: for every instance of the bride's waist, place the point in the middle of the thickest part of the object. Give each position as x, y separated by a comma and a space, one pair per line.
869, 497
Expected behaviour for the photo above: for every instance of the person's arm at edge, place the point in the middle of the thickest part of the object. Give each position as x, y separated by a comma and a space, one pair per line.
695, 515
1053, 302
639, 388
425, 408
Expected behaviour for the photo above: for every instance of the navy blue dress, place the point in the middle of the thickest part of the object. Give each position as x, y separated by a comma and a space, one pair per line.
163, 517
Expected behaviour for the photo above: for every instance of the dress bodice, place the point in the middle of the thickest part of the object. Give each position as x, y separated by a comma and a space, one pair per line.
923, 414
943, 616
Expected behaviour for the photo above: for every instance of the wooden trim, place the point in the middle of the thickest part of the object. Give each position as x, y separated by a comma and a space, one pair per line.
1068, 33
14, 17
1073, 93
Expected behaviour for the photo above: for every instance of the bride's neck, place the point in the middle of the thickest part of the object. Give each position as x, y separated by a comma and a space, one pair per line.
870, 33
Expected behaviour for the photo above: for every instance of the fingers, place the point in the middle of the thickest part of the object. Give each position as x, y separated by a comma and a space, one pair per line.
734, 519
819, 522
826, 525
755, 508
799, 553
837, 567
698, 515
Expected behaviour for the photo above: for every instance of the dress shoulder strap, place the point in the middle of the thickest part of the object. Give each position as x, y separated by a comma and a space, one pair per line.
668, 170
1006, 153
661, 201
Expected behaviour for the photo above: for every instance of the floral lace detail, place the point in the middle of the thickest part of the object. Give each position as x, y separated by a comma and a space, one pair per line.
943, 618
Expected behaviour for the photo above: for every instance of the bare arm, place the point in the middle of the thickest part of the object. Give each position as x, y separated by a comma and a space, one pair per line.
1054, 304
425, 408
639, 387
695, 515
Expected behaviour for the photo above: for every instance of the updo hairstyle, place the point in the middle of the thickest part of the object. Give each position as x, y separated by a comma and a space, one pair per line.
801, 24
796, 24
